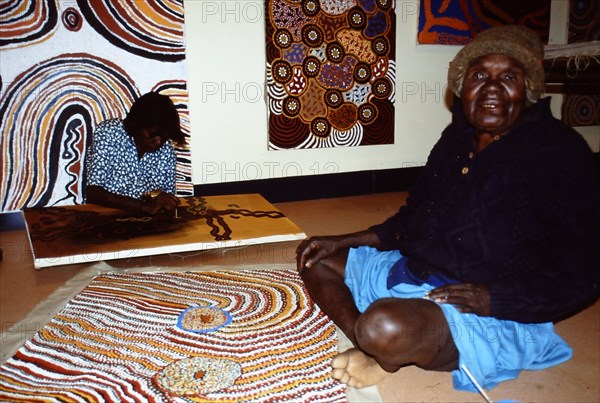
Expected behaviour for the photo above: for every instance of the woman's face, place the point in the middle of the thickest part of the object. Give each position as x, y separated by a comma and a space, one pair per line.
149, 140
493, 94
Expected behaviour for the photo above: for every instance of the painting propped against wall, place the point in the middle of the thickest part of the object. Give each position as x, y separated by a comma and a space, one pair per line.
67, 65
456, 22
330, 72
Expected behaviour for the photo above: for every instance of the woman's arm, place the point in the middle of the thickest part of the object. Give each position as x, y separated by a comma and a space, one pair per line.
147, 205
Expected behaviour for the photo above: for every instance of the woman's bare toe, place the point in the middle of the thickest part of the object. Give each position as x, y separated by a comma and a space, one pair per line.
356, 369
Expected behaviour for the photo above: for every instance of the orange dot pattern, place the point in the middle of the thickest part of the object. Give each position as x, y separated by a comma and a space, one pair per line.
117, 340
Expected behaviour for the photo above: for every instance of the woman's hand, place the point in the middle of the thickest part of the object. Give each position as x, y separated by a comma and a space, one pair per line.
160, 202
467, 297
316, 248
312, 250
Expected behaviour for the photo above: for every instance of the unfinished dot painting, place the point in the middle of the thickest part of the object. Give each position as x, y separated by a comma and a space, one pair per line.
330, 73
216, 336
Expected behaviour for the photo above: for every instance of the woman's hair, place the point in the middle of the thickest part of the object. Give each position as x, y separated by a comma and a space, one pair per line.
154, 110
520, 43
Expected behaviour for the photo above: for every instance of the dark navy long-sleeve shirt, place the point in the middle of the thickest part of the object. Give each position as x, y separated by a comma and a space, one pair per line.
521, 216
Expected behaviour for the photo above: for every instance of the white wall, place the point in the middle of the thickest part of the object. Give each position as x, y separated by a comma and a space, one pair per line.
226, 68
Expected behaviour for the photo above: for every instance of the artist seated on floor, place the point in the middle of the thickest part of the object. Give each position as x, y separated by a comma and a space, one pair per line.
498, 239
130, 163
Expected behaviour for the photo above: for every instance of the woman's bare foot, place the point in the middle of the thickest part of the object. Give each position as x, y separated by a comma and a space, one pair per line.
356, 369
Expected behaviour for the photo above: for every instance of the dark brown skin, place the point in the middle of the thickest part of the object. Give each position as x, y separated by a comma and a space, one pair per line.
164, 202
391, 330
493, 96
148, 141
396, 332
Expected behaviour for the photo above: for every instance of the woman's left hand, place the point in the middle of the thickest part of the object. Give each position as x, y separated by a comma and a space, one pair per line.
467, 297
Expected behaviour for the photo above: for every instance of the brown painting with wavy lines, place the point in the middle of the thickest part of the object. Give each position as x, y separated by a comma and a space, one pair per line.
89, 233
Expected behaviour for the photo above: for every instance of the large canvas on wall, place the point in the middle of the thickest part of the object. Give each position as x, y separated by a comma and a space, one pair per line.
331, 71
67, 65
582, 109
456, 22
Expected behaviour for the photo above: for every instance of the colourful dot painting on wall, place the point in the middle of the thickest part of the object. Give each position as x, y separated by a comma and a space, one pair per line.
582, 109
67, 65
330, 73
456, 22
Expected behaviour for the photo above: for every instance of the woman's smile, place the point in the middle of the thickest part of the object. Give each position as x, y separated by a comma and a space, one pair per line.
493, 94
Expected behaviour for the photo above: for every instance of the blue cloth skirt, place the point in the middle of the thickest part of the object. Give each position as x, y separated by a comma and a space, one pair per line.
490, 350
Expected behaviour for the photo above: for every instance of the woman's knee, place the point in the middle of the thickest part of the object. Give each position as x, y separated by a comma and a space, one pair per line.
396, 327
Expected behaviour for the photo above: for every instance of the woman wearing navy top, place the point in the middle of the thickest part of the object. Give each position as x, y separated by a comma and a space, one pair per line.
498, 239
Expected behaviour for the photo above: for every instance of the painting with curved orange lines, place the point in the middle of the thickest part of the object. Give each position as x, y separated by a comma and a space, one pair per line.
120, 335
66, 66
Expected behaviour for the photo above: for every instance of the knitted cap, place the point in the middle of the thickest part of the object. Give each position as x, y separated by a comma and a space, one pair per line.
520, 43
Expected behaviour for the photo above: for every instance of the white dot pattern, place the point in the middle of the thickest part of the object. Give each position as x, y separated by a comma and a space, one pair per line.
112, 163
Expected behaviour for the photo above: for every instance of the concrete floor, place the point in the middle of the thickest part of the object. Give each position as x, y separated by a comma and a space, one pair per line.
22, 288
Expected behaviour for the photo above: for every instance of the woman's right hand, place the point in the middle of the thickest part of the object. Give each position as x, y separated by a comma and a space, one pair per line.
313, 249
162, 202
316, 248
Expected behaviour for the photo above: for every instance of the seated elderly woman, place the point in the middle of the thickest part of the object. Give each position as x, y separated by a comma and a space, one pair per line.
130, 163
498, 238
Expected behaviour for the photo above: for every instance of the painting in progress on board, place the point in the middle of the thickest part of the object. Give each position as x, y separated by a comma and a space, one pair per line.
88, 233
